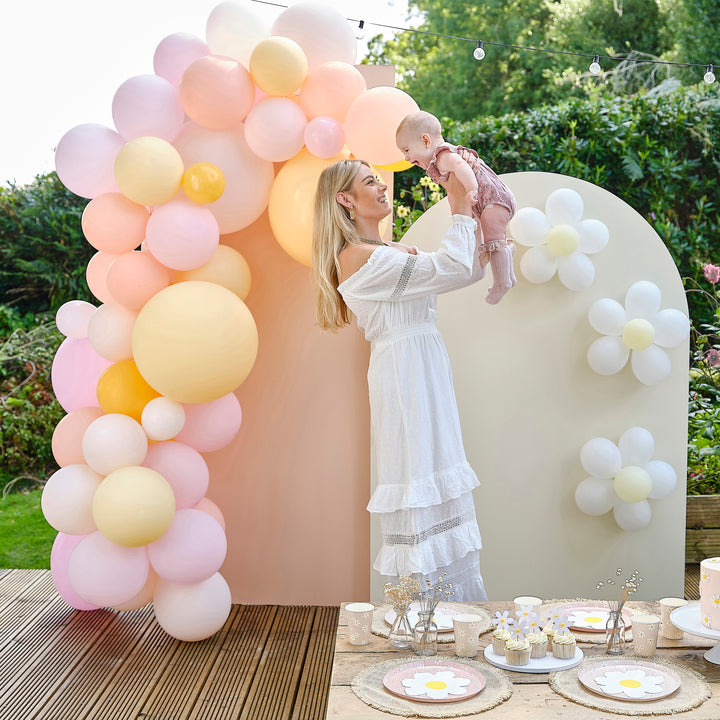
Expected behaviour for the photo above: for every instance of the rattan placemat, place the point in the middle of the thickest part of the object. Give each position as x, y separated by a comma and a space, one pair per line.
693, 691
381, 628
368, 686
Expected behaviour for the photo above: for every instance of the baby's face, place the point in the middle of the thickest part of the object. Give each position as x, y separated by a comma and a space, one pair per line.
417, 149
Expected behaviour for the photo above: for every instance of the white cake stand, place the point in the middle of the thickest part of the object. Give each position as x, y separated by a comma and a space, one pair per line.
547, 664
687, 618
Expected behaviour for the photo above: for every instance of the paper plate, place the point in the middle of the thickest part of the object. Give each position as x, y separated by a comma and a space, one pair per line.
590, 618
446, 680
443, 616
630, 680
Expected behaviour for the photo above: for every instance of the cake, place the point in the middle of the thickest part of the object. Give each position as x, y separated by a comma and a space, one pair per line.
564, 646
499, 638
517, 651
710, 593
538, 644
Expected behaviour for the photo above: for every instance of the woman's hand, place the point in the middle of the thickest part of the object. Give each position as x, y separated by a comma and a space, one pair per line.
457, 197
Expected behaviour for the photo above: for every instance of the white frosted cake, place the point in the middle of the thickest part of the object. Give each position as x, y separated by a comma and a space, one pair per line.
710, 593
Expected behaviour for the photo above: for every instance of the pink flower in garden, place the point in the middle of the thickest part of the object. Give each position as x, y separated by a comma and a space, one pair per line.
712, 273
712, 357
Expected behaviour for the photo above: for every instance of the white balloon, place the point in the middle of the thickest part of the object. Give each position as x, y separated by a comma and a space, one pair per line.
112, 442
595, 496
110, 331
607, 316
162, 418
608, 355
632, 516
651, 366
576, 271
67, 499
564, 206
234, 30
671, 327
73, 317
529, 226
594, 236
637, 446
538, 264
642, 300
664, 478
601, 458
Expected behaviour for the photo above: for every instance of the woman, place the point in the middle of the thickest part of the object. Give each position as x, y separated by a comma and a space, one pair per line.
424, 492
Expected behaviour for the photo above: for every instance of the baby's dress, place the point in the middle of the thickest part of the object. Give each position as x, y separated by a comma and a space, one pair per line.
491, 189
424, 491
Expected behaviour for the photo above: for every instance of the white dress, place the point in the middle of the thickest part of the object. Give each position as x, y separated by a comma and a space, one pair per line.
425, 483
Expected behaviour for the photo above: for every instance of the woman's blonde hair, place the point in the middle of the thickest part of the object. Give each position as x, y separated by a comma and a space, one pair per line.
332, 230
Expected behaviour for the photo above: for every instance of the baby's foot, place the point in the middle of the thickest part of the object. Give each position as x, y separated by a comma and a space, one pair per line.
501, 263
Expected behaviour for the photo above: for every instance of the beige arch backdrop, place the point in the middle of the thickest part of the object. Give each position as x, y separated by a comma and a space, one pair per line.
529, 401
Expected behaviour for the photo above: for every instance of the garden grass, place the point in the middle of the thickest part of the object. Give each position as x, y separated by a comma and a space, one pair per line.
25, 537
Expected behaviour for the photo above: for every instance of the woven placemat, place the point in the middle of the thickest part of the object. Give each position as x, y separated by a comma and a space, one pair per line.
693, 691
596, 638
368, 686
381, 628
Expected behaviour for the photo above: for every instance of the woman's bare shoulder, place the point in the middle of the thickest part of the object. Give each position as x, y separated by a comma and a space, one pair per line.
352, 258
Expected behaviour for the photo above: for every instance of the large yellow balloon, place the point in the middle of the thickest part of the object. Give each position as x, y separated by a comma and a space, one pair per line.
122, 389
203, 183
133, 506
397, 167
290, 208
148, 170
278, 65
227, 267
195, 341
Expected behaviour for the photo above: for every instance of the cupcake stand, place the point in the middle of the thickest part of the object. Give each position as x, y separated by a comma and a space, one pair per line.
547, 664
687, 618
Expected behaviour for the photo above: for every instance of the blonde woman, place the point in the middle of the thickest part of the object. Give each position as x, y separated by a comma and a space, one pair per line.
424, 491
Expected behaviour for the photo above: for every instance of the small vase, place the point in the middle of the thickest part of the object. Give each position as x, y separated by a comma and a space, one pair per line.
425, 634
401, 632
615, 633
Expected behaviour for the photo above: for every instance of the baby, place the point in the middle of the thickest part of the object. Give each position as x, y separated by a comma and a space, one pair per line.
419, 136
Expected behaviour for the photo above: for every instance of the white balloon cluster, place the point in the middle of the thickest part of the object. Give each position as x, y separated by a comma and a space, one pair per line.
559, 240
640, 330
623, 477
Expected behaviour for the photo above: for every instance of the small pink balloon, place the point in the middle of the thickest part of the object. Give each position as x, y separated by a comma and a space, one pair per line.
182, 235
324, 137
133, 278
113, 224
212, 425
183, 467
209, 507
75, 373
96, 275
59, 556
175, 53
73, 317
274, 129
68, 434
85, 159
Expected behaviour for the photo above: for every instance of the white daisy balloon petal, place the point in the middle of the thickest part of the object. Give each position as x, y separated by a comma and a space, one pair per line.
576, 272
664, 479
608, 355
595, 496
642, 300
601, 458
636, 446
671, 327
607, 316
632, 516
538, 264
529, 226
651, 365
594, 236
564, 206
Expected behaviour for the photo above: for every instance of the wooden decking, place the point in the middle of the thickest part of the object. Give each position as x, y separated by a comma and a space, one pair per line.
267, 663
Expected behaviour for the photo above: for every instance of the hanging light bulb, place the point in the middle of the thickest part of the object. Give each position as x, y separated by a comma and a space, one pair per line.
595, 65
360, 32
478, 52
709, 76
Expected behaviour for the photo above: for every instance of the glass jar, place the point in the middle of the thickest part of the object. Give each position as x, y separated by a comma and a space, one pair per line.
615, 633
425, 634
401, 632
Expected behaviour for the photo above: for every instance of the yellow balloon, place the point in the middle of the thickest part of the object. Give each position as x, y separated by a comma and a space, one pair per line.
290, 207
278, 65
122, 389
638, 334
633, 484
148, 170
133, 506
563, 240
227, 267
397, 167
203, 182
195, 341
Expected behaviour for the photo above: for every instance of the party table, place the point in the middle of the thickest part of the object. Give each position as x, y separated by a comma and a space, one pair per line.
532, 696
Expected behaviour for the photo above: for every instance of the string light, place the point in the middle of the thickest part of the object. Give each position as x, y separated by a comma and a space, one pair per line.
709, 76
595, 65
360, 32
479, 52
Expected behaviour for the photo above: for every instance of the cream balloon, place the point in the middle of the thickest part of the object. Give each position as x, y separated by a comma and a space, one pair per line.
110, 331
114, 441
632, 484
67, 499
162, 419
227, 267
234, 30
73, 317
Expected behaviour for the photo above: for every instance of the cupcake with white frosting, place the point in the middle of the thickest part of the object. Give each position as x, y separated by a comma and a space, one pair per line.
538, 644
564, 646
517, 651
499, 638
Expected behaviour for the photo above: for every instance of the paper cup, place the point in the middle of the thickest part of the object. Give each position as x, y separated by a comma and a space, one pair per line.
359, 620
645, 634
467, 631
531, 600
668, 630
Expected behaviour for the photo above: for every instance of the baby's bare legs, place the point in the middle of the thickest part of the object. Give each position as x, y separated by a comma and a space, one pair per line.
494, 220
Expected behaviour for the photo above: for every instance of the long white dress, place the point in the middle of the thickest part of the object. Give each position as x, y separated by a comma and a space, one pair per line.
425, 483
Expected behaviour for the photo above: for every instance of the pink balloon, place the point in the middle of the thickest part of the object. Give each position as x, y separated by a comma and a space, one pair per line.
96, 275
75, 373
143, 597
274, 129
330, 89
106, 574
192, 549
73, 317
113, 224
324, 137
182, 235
85, 157
59, 556
133, 278
212, 425
209, 507
68, 434
175, 53
147, 105
183, 467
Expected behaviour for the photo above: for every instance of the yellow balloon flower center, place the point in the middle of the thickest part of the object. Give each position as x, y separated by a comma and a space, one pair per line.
632, 484
436, 685
563, 240
630, 683
638, 334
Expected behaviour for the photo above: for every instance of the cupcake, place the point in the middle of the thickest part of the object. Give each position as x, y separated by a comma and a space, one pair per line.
517, 651
538, 644
564, 646
549, 631
499, 638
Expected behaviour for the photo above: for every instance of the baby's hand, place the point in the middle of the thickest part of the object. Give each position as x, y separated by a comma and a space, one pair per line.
472, 196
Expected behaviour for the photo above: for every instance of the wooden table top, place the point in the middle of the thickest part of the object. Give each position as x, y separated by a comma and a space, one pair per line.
532, 697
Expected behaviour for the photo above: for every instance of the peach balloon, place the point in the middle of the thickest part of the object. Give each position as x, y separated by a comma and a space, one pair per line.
122, 389
134, 277
227, 267
68, 434
330, 89
175, 53
209, 507
96, 275
324, 137
278, 66
110, 331
144, 597
73, 317
275, 129
112, 442
371, 122
234, 30
212, 425
216, 92
113, 224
